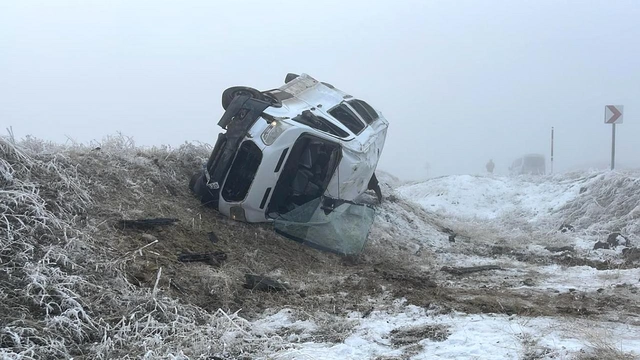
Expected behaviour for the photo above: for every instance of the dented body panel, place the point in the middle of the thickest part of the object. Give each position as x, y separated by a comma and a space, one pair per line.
299, 151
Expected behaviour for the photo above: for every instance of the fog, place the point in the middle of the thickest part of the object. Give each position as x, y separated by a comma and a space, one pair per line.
461, 82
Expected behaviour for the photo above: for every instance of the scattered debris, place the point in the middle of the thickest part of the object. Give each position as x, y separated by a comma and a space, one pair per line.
414, 334
613, 240
263, 283
452, 234
556, 249
445, 229
214, 258
616, 239
469, 269
570, 310
631, 254
566, 227
528, 282
149, 237
212, 237
367, 312
413, 280
146, 223
601, 245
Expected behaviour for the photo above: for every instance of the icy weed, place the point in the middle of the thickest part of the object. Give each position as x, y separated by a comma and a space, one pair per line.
61, 295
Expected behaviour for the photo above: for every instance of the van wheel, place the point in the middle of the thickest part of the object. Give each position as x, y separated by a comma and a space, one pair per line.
230, 94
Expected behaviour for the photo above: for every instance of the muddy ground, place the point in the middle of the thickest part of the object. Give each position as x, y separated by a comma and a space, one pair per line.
315, 280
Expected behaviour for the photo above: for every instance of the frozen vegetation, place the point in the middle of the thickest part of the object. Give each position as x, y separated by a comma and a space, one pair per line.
75, 284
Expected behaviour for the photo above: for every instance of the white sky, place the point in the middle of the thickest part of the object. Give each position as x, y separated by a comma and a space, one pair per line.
459, 81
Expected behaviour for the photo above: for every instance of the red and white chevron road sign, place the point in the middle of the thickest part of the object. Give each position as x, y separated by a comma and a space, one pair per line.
613, 114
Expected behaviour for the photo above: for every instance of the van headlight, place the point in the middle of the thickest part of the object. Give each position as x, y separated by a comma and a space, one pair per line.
273, 131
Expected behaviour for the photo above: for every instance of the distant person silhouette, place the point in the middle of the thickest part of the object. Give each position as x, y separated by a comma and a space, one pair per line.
490, 166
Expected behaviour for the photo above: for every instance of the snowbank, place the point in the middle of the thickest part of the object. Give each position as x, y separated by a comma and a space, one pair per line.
468, 196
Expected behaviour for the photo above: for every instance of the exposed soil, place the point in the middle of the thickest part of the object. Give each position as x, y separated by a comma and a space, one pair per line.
317, 280
151, 185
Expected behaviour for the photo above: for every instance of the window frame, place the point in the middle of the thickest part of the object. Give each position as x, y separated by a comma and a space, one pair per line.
326, 122
354, 112
365, 106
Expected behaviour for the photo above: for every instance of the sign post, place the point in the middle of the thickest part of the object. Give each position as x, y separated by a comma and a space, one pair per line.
552, 149
613, 116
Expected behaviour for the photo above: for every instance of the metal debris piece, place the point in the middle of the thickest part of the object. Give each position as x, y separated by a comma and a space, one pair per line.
146, 223
263, 283
559, 248
468, 270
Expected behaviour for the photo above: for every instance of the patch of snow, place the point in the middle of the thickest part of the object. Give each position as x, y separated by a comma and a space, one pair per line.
470, 337
282, 319
490, 197
585, 278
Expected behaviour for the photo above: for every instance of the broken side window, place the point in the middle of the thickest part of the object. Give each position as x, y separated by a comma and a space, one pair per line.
364, 110
343, 229
242, 172
318, 122
343, 114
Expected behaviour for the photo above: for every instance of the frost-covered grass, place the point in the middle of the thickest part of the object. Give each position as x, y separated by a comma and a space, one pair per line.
74, 286
608, 202
62, 294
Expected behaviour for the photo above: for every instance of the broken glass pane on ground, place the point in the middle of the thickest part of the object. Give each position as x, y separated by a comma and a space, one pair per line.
341, 228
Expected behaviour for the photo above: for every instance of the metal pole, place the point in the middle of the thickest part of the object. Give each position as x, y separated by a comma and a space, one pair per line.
613, 146
552, 149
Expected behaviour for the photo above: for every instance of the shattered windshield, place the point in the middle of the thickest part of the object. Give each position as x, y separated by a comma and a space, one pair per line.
341, 229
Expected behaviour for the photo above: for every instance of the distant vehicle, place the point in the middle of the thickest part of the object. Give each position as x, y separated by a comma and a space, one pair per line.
297, 154
533, 164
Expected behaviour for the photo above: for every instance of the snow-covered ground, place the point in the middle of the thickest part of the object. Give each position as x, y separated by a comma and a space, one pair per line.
469, 196
499, 206
456, 336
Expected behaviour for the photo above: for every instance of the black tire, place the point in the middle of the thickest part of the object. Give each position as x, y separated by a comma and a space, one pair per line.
230, 94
